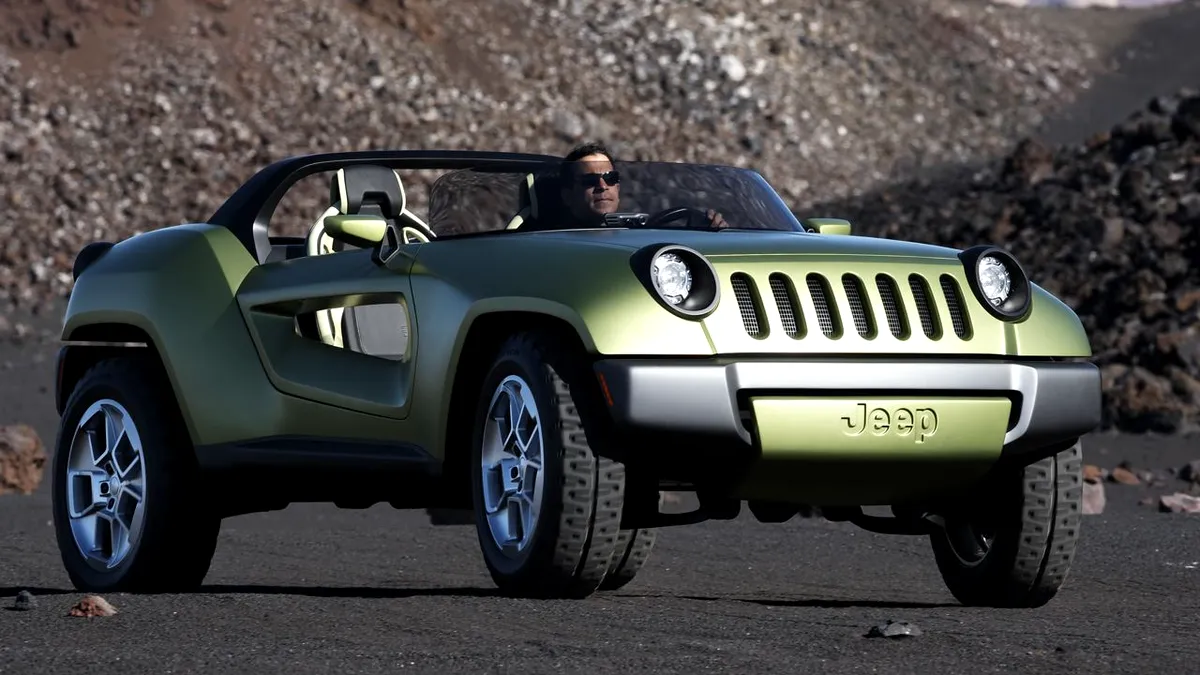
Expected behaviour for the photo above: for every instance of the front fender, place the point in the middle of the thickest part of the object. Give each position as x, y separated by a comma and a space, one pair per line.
1052, 329
590, 286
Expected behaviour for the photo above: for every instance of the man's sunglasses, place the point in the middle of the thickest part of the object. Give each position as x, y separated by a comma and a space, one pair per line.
592, 180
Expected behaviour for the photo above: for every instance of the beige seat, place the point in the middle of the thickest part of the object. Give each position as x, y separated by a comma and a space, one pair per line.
368, 190
538, 203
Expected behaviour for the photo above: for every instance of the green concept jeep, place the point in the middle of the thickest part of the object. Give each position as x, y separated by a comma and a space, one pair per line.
493, 355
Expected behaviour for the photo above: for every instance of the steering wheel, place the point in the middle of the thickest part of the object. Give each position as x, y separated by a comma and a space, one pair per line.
694, 216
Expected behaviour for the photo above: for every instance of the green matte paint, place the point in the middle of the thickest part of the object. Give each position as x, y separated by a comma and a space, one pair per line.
224, 328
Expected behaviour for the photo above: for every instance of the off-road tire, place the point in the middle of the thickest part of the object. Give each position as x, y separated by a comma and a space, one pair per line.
632, 551
1038, 510
179, 536
583, 494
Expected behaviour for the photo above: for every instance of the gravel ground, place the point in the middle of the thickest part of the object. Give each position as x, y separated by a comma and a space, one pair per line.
312, 589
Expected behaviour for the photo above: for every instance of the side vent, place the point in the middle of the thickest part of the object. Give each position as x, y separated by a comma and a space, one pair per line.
860, 308
749, 305
822, 298
789, 306
921, 294
954, 300
893, 306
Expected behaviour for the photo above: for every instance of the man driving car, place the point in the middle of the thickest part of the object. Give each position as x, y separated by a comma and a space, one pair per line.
590, 187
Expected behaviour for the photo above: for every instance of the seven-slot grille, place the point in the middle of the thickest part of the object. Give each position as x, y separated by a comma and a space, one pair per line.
866, 316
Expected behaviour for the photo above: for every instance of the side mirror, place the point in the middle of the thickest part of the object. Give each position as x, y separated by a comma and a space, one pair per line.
357, 230
828, 225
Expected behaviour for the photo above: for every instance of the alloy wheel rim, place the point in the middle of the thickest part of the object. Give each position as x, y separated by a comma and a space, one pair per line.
511, 464
106, 485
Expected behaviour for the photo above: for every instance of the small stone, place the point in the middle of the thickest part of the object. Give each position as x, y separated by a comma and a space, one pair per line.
1093, 498
1190, 472
1123, 476
24, 602
92, 606
894, 629
22, 459
1179, 503
1092, 473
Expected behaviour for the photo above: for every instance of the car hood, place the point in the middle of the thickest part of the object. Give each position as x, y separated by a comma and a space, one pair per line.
734, 243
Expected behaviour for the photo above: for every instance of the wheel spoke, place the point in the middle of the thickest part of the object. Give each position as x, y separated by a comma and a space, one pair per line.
125, 458
516, 407
494, 493
105, 484
97, 432
511, 490
127, 510
102, 537
87, 492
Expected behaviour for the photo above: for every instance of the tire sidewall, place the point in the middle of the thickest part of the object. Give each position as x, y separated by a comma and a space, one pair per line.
522, 363
90, 390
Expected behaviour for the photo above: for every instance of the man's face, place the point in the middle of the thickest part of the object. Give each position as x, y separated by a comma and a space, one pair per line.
593, 190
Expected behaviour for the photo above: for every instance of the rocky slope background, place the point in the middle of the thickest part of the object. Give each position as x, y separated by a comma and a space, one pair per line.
1111, 226
118, 116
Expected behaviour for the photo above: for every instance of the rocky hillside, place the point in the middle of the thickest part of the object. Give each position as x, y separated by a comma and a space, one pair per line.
125, 115
1112, 226
119, 116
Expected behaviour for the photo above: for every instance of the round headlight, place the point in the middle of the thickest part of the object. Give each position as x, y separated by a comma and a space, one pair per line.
994, 280
672, 277
997, 281
681, 279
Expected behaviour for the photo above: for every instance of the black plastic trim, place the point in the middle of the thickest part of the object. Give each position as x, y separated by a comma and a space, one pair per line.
248, 210
88, 255
309, 452
706, 289
1018, 304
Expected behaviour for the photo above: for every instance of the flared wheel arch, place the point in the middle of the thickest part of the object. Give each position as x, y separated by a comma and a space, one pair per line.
484, 337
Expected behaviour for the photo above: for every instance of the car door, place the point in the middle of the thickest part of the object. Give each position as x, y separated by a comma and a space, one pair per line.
370, 369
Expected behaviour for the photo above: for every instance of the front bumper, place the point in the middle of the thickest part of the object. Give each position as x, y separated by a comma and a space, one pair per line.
1052, 402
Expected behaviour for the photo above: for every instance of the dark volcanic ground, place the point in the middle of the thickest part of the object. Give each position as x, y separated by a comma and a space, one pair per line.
313, 589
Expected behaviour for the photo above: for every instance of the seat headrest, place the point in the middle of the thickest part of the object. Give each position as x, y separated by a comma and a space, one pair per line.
367, 189
539, 194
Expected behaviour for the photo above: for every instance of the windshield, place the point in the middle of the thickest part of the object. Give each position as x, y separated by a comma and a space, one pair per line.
635, 194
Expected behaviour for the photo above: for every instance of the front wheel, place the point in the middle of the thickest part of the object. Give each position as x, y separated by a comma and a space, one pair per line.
1014, 547
547, 508
127, 498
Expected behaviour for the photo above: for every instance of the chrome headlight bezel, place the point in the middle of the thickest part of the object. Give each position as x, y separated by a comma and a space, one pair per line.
705, 291
1016, 306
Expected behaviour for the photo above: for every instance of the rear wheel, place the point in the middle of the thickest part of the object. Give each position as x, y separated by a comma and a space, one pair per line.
632, 551
1015, 545
128, 505
547, 509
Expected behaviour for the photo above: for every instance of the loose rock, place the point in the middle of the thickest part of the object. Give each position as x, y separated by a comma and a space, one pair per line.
24, 602
1179, 503
1094, 499
92, 606
1124, 476
894, 629
835, 97
1110, 226
22, 459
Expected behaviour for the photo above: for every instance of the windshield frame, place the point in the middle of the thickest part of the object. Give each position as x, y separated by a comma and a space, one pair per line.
758, 198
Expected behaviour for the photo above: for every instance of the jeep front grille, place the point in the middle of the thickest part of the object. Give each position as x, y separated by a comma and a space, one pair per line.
824, 311
744, 290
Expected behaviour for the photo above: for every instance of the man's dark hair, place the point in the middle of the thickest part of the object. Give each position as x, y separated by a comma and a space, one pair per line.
579, 152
